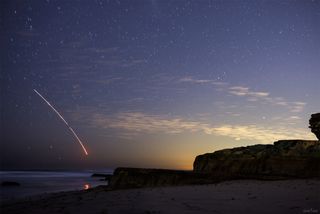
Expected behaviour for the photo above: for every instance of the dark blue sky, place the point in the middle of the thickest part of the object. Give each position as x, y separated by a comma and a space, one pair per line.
154, 83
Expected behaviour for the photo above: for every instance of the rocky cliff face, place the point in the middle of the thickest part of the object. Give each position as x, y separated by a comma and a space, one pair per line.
315, 124
283, 159
286, 158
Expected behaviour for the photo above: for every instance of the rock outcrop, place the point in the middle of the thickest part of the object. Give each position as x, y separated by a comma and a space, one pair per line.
315, 124
283, 159
104, 177
10, 184
139, 177
286, 158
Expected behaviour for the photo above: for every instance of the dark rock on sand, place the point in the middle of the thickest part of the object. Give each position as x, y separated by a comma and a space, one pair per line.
315, 124
105, 177
99, 175
286, 158
9, 184
139, 177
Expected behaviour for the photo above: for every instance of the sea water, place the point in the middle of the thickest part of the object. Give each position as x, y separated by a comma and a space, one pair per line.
39, 182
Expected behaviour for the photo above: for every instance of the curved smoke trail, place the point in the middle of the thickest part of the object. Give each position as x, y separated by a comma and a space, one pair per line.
67, 124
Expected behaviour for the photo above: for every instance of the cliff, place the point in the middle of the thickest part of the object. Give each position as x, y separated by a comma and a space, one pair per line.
315, 124
283, 159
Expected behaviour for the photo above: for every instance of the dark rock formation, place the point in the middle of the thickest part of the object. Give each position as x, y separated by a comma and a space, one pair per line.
105, 177
286, 158
139, 177
315, 124
283, 159
9, 184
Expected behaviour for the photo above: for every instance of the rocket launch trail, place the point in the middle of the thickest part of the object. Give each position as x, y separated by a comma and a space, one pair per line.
67, 124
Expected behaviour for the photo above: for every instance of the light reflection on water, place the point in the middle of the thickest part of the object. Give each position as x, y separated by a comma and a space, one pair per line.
86, 186
38, 182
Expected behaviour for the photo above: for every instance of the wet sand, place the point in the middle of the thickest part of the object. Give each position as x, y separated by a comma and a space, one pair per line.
241, 196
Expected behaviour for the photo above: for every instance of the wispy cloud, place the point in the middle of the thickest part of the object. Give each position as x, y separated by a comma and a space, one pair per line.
248, 93
202, 81
189, 79
137, 123
245, 91
258, 133
262, 96
298, 106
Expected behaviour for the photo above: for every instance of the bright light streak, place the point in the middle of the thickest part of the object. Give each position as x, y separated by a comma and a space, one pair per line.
67, 124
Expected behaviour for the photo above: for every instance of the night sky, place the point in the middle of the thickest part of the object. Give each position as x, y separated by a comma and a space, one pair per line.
153, 83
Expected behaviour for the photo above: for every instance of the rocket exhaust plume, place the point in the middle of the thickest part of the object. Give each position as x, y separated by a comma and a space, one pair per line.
69, 127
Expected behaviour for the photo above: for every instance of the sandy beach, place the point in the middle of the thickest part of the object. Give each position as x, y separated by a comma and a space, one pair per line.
240, 196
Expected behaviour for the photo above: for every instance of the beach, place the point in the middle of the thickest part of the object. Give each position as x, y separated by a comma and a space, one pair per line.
39, 182
238, 196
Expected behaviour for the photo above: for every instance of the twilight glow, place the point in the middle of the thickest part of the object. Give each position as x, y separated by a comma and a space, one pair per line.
154, 83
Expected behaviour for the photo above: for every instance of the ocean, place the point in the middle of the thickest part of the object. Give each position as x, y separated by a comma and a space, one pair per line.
39, 182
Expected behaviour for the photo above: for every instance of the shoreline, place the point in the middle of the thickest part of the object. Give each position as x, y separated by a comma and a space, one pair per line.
234, 196
20, 184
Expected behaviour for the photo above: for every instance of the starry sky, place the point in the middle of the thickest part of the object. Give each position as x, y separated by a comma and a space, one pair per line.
150, 83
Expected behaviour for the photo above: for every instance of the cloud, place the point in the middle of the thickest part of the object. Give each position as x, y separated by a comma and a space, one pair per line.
250, 95
189, 79
257, 133
144, 123
245, 91
298, 107
239, 90
254, 96
260, 94
201, 81
137, 123
294, 118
